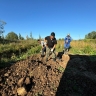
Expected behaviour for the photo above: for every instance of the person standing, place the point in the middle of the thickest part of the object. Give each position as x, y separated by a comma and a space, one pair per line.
67, 41
43, 45
50, 46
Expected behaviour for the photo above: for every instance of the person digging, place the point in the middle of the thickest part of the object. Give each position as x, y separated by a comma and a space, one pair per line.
50, 46
43, 49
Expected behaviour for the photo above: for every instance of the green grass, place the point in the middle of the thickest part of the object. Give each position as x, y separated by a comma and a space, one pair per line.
87, 50
12, 47
60, 69
25, 48
32, 48
29, 52
84, 47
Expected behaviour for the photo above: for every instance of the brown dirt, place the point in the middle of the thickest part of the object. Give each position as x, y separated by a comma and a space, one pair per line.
70, 76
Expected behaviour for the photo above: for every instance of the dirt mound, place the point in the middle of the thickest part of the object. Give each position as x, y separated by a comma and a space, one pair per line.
35, 77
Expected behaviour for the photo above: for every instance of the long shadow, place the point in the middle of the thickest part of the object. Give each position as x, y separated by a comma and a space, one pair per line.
79, 77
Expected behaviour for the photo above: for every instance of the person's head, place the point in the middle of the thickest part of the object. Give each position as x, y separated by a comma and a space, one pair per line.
68, 35
38, 40
52, 35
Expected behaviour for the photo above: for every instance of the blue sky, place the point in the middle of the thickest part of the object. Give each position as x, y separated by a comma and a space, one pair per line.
77, 17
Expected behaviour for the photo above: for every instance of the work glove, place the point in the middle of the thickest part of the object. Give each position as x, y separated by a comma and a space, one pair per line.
45, 43
52, 50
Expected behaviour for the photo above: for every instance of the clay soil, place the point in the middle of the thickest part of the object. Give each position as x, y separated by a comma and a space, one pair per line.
72, 75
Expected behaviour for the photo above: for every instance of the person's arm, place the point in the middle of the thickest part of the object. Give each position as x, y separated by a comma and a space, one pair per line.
54, 46
55, 43
66, 40
42, 44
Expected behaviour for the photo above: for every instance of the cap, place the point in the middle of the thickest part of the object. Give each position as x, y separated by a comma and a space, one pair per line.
53, 34
68, 34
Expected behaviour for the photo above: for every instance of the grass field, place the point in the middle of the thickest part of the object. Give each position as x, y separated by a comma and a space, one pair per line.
14, 51
79, 47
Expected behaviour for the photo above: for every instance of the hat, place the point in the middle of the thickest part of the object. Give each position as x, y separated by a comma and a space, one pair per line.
53, 34
68, 34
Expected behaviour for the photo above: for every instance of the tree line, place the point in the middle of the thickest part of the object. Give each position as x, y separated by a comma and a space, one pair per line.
91, 35
13, 36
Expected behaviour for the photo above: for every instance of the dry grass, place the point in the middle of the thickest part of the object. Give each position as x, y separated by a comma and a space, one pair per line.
79, 46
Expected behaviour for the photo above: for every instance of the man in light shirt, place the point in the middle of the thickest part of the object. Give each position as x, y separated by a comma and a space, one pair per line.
43, 44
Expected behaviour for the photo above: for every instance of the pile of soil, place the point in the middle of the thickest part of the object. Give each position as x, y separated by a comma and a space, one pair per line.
72, 75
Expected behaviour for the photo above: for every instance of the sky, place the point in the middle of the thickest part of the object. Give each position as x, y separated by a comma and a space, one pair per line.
41, 17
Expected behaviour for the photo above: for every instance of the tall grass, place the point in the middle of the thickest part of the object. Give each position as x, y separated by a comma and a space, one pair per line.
79, 46
26, 48
16, 51
24, 44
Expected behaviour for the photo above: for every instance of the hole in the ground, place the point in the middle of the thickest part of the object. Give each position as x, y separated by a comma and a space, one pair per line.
29, 86
48, 67
39, 62
59, 56
40, 95
33, 61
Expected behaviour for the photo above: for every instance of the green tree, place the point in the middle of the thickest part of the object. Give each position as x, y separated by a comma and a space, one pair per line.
12, 36
91, 35
27, 37
2, 36
39, 36
20, 37
2, 23
31, 35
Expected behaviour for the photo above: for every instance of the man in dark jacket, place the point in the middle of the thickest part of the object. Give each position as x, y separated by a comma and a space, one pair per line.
50, 46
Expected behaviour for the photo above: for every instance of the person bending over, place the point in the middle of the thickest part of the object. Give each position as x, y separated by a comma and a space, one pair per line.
43, 44
50, 46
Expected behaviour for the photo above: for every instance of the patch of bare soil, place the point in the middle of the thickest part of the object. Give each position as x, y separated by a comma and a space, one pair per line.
69, 76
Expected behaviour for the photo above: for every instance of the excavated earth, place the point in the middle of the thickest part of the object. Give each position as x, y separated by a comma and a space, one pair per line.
72, 75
